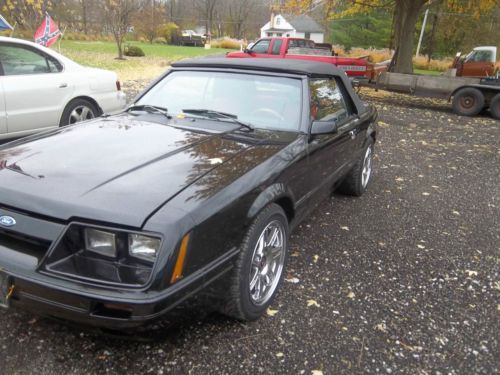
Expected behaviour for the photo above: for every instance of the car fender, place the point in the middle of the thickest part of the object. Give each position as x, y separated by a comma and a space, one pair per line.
269, 195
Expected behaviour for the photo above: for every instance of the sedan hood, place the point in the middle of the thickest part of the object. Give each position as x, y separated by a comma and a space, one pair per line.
116, 170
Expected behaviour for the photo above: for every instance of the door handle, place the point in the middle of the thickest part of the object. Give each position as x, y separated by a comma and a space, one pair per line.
63, 85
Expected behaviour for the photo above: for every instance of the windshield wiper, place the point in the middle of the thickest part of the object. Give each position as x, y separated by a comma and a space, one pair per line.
149, 108
208, 113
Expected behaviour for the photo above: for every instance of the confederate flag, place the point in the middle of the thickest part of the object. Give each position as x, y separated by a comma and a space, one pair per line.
48, 32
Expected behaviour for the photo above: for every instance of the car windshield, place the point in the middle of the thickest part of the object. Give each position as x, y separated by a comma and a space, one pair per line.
264, 102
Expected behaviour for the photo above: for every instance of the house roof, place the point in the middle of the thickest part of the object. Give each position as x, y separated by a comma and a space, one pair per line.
304, 23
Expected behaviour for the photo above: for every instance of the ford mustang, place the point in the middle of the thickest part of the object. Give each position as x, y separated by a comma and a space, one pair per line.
191, 191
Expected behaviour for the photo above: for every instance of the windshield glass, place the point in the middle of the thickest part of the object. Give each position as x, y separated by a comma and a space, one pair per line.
263, 101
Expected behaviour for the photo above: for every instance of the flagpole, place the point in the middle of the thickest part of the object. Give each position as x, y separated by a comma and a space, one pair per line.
61, 38
13, 29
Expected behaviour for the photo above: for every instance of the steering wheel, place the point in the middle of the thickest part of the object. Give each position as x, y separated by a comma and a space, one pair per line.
268, 111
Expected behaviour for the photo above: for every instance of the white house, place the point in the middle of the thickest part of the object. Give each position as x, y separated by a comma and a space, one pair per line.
301, 26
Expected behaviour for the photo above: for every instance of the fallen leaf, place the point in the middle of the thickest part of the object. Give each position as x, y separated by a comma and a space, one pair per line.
456, 213
316, 372
345, 228
381, 327
295, 254
279, 355
315, 258
421, 246
426, 194
293, 280
271, 312
312, 302
351, 295
471, 273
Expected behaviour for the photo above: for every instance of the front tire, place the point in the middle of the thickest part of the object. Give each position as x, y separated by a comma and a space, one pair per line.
78, 110
358, 178
260, 266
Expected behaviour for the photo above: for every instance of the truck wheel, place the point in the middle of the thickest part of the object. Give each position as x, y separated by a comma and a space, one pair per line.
356, 181
468, 102
260, 266
495, 106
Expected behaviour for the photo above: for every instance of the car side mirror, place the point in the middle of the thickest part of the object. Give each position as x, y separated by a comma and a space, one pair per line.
324, 127
249, 51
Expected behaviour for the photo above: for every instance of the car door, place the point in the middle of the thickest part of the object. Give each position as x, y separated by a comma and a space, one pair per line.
261, 48
330, 154
35, 89
479, 64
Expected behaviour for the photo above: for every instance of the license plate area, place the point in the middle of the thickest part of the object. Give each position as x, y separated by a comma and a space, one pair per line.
6, 289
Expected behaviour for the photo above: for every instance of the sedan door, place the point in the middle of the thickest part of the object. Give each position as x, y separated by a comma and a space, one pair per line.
35, 88
3, 113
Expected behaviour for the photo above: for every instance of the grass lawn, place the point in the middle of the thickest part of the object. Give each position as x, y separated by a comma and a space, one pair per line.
158, 57
427, 72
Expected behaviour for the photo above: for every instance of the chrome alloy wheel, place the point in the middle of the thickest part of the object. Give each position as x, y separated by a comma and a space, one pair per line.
267, 262
367, 167
81, 113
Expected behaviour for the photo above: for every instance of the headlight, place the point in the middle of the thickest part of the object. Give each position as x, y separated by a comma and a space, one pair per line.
104, 255
143, 247
100, 242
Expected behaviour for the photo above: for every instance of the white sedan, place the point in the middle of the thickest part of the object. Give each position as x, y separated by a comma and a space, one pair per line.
41, 89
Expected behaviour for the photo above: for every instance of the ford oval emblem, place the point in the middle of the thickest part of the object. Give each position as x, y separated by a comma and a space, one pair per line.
7, 221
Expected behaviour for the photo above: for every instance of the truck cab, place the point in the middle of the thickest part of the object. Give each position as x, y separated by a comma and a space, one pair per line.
480, 62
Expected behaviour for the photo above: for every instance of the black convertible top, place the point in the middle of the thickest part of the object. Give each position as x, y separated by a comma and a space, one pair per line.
301, 67
310, 68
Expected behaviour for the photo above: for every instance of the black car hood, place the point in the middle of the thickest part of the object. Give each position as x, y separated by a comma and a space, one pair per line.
116, 170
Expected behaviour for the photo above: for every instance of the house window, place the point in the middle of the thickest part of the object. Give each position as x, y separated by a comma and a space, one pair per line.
288, 35
307, 36
269, 34
279, 34
278, 21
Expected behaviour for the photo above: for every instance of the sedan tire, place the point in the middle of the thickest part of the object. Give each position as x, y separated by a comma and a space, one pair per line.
358, 178
260, 266
78, 110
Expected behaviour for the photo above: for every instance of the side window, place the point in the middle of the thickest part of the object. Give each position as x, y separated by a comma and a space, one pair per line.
21, 60
261, 46
327, 101
277, 47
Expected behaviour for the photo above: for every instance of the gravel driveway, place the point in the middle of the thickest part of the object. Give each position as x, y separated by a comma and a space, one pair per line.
403, 280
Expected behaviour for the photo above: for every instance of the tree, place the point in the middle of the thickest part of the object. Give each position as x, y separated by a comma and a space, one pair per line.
118, 14
406, 14
239, 11
26, 14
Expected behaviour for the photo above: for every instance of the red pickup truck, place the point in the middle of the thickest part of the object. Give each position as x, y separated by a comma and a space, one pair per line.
304, 49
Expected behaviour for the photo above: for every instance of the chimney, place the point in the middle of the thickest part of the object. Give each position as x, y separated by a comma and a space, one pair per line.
272, 17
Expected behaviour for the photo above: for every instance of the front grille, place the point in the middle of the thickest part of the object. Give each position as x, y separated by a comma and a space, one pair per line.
24, 244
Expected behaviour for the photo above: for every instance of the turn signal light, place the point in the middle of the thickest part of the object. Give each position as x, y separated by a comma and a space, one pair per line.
181, 257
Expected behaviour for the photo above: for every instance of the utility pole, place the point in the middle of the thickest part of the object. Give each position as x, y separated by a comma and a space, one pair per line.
422, 32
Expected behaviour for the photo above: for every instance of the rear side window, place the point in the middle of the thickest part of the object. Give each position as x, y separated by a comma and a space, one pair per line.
261, 46
327, 101
277, 47
23, 60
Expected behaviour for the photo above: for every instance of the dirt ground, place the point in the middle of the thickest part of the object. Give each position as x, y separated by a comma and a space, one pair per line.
402, 280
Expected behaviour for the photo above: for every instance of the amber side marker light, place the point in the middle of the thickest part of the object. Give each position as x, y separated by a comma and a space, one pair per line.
181, 257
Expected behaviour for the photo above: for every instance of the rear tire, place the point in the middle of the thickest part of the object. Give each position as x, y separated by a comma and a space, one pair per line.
259, 269
495, 106
78, 110
468, 101
358, 178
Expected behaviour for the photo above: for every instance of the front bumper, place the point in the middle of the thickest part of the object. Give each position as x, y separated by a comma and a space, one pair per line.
105, 308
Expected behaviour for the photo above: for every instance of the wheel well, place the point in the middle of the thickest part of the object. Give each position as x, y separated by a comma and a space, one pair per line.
89, 99
287, 206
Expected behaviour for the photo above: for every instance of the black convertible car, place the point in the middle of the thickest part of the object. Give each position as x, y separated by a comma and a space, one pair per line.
192, 191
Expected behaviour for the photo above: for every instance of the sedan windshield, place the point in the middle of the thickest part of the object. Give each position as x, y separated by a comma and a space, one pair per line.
264, 102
